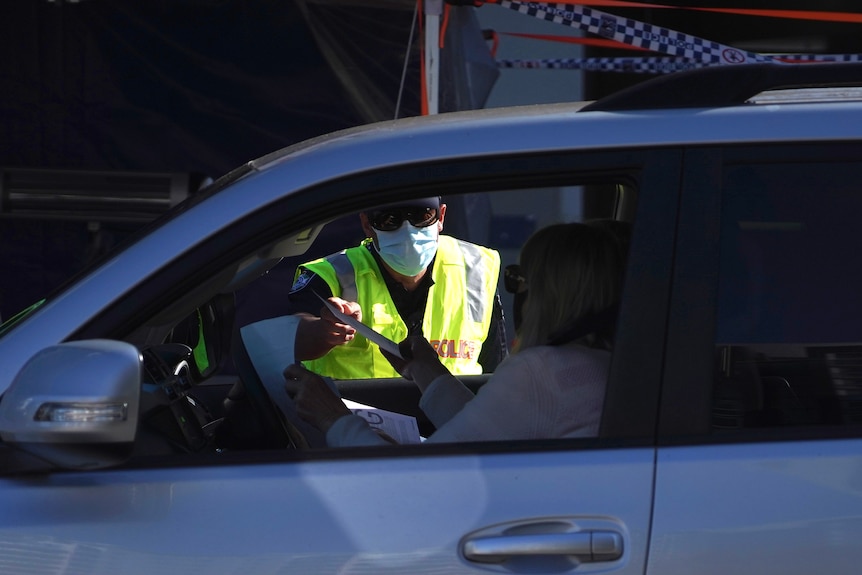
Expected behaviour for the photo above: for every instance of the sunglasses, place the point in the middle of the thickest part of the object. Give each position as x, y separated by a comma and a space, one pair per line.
513, 280
390, 219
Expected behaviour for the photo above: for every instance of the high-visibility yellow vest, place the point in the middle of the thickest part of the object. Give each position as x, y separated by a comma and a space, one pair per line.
457, 313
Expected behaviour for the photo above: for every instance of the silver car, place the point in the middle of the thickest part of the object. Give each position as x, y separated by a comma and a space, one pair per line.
730, 436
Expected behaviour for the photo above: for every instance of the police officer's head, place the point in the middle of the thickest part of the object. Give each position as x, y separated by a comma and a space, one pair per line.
405, 234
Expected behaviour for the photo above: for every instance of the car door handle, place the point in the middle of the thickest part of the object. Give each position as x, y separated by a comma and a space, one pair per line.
586, 546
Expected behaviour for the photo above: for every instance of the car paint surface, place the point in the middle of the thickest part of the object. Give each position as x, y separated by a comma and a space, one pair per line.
760, 508
145, 521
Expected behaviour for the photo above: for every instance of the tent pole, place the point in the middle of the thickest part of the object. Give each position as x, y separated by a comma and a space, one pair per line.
433, 11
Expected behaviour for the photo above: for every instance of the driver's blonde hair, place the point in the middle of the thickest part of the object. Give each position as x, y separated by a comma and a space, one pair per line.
570, 269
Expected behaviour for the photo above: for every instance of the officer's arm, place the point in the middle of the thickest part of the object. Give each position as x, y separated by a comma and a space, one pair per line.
309, 343
318, 330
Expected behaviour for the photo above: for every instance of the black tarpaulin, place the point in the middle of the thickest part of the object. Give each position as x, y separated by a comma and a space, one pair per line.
196, 87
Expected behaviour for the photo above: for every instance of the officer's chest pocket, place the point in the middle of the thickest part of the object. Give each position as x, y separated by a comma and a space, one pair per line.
380, 316
386, 324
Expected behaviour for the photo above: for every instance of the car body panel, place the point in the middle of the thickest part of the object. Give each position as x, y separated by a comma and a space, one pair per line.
323, 517
786, 507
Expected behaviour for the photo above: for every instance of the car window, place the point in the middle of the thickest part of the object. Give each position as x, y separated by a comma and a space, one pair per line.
789, 315
219, 373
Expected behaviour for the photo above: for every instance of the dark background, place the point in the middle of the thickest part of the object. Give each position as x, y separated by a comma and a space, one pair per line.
190, 87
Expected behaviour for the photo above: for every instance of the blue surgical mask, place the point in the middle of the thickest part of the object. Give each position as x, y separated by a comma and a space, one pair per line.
408, 250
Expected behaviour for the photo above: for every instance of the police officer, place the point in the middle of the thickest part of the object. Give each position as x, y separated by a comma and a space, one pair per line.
404, 279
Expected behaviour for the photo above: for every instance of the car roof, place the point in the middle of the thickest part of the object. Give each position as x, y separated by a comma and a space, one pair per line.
704, 106
555, 127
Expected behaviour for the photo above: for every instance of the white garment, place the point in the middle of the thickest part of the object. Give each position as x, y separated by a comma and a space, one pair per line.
541, 392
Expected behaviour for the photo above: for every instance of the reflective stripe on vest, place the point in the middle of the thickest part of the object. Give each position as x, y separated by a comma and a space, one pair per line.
476, 266
345, 275
457, 315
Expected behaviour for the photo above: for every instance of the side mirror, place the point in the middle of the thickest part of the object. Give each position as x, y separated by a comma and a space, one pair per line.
75, 404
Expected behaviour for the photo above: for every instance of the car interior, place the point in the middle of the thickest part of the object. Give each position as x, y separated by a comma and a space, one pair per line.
202, 392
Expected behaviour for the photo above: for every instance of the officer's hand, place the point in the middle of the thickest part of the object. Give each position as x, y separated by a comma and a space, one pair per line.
350, 308
331, 329
315, 402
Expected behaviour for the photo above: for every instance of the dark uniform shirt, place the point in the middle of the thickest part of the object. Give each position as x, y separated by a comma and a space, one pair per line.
410, 306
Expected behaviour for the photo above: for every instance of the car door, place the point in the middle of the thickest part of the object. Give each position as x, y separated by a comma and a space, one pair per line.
760, 457
545, 506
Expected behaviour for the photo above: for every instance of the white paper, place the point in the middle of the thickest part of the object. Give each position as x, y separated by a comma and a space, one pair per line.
269, 344
270, 347
402, 428
372, 336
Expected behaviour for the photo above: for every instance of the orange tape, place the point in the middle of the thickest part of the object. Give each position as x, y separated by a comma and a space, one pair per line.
444, 25
495, 43
601, 42
792, 14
